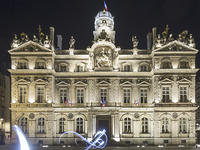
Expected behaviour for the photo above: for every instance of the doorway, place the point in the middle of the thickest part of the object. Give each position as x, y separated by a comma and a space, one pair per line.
104, 122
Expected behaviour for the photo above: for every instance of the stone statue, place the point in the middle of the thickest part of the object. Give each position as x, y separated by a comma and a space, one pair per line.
165, 34
191, 42
26, 38
159, 42
72, 43
103, 35
35, 39
182, 36
15, 42
135, 42
23, 37
170, 38
47, 42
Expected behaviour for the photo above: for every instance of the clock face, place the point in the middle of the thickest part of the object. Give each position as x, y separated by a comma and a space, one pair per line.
103, 57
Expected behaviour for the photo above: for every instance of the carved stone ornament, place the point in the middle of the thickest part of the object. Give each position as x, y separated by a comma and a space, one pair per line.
175, 115
136, 115
31, 115
103, 57
70, 115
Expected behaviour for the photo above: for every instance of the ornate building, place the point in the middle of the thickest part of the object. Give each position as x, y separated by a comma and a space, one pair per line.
140, 96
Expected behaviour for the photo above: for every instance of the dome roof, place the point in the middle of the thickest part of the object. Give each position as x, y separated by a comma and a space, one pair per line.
103, 14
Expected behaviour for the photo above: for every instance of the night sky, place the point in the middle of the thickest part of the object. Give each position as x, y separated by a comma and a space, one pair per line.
76, 17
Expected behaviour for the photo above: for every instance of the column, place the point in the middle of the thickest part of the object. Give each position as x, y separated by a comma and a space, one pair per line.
175, 91
94, 124
116, 125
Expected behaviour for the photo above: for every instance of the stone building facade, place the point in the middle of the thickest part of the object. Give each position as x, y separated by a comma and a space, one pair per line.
140, 96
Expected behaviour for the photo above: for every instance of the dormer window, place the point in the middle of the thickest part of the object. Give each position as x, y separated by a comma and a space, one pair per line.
184, 65
40, 64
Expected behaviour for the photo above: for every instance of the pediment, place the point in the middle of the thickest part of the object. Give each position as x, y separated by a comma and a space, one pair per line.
30, 46
175, 46
80, 83
126, 83
144, 83
62, 83
22, 81
103, 82
184, 80
166, 80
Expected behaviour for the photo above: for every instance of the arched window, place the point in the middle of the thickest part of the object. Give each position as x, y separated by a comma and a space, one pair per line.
61, 125
22, 64
62, 67
165, 125
144, 125
79, 125
127, 125
40, 64
184, 65
41, 125
182, 125
143, 68
23, 123
166, 65
80, 68
127, 68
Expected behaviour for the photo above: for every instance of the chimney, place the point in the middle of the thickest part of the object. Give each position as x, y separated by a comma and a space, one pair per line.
52, 35
59, 42
149, 40
154, 34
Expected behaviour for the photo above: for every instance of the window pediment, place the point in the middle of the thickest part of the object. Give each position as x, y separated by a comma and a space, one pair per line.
80, 83
62, 83
103, 83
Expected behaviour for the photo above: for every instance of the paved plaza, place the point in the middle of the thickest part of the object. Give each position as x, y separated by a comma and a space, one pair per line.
16, 147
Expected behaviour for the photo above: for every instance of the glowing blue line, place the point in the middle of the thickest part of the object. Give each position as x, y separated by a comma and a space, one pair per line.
22, 138
98, 139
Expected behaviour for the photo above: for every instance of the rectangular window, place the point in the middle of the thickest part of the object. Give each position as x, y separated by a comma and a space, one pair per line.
80, 68
40, 65
183, 94
127, 95
22, 65
40, 94
143, 95
103, 94
80, 95
63, 95
22, 94
165, 95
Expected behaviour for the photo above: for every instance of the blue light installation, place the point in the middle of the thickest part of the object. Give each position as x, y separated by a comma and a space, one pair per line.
22, 139
99, 140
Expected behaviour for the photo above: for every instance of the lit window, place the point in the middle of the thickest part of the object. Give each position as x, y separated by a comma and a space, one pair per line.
165, 95
143, 95
165, 125
127, 125
63, 95
127, 68
183, 94
80, 95
79, 125
41, 125
103, 95
61, 125
182, 125
127, 95
144, 125
22, 94
23, 123
40, 94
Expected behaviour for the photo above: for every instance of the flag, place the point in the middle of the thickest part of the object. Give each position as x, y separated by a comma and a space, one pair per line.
70, 103
67, 101
136, 102
105, 6
103, 102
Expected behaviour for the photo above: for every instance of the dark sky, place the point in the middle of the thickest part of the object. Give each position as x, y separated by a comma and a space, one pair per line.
76, 17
